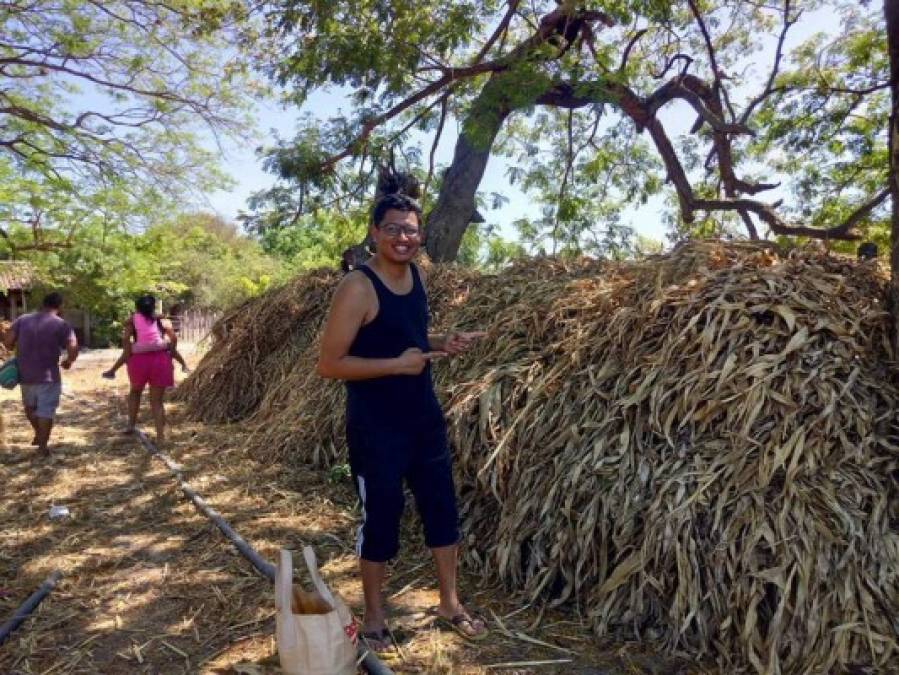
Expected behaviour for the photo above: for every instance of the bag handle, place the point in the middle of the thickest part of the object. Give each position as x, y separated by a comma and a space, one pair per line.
284, 582
312, 566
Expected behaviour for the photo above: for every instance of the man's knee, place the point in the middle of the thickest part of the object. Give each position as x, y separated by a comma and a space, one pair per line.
441, 524
435, 498
377, 539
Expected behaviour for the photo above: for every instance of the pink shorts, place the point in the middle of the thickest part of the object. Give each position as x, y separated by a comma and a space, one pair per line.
153, 368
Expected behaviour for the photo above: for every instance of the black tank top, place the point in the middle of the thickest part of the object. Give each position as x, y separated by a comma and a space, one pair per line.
401, 323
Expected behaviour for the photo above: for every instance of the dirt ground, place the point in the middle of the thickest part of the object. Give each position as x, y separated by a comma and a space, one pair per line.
150, 586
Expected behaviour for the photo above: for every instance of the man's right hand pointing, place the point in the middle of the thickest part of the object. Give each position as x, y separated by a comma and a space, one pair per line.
413, 361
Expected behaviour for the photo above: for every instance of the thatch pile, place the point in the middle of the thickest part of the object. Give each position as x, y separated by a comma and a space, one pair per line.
701, 448
256, 347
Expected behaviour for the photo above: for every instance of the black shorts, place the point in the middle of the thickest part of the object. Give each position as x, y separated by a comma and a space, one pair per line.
380, 460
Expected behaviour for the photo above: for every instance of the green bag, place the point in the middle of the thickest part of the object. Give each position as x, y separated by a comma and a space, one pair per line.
9, 373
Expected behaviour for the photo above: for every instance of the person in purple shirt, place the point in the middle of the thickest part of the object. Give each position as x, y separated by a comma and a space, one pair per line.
39, 339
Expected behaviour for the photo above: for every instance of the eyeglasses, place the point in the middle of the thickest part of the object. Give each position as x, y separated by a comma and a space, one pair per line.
394, 229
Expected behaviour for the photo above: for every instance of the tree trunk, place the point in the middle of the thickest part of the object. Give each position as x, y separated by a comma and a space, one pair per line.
891, 9
455, 204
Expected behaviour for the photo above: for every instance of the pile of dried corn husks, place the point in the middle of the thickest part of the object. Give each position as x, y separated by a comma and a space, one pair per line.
256, 347
701, 448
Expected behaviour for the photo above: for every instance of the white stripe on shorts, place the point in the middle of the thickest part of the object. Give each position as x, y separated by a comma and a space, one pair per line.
359, 535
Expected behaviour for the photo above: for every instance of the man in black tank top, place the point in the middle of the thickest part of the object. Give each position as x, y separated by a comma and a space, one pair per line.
376, 340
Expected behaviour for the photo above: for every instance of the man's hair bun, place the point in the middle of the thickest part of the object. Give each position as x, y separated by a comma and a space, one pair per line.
392, 182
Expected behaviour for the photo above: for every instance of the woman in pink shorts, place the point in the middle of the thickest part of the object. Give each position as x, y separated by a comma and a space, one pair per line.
147, 341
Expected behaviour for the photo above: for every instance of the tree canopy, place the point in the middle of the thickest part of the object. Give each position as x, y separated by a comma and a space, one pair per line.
580, 95
192, 258
104, 106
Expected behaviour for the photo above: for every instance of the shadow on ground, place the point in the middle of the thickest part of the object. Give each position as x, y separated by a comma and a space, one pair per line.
150, 585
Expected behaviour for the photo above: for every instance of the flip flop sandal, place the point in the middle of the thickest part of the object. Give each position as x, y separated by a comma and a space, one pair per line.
455, 624
388, 649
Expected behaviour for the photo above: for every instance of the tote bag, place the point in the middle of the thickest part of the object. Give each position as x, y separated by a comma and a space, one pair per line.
312, 643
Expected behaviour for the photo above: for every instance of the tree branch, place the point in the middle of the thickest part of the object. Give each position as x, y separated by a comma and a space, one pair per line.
858, 92
717, 88
865, 209
671, 61
41, 246
556, 22
369, 126
630, 45
569, 165
775, 67
843, 231
160, 94
750, 226
695, 92
444, 106
642, 113
499, 32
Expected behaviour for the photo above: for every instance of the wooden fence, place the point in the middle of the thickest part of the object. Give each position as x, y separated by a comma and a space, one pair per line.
194, 325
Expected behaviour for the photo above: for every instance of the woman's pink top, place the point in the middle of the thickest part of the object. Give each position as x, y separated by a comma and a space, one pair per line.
148, 336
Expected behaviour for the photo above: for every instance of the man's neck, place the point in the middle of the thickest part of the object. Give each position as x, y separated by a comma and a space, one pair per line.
49, 310
391, 270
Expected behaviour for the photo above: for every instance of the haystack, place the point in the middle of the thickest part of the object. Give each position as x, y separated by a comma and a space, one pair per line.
256, 346
701, 448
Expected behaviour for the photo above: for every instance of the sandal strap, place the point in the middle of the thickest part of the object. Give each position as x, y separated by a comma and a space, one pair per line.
466, 617
380, 635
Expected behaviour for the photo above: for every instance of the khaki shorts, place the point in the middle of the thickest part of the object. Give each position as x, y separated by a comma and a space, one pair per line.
43, 398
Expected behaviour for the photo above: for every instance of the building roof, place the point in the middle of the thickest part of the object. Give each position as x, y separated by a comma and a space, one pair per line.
15, 275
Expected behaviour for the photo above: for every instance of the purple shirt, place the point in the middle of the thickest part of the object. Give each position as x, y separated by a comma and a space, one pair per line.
40, 337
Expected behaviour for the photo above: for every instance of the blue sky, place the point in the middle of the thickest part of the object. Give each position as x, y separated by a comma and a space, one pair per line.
241, 162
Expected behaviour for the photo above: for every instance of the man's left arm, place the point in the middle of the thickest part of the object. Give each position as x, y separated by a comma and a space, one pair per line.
71, 345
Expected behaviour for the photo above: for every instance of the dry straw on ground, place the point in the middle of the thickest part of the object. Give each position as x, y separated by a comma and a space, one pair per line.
701, 448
